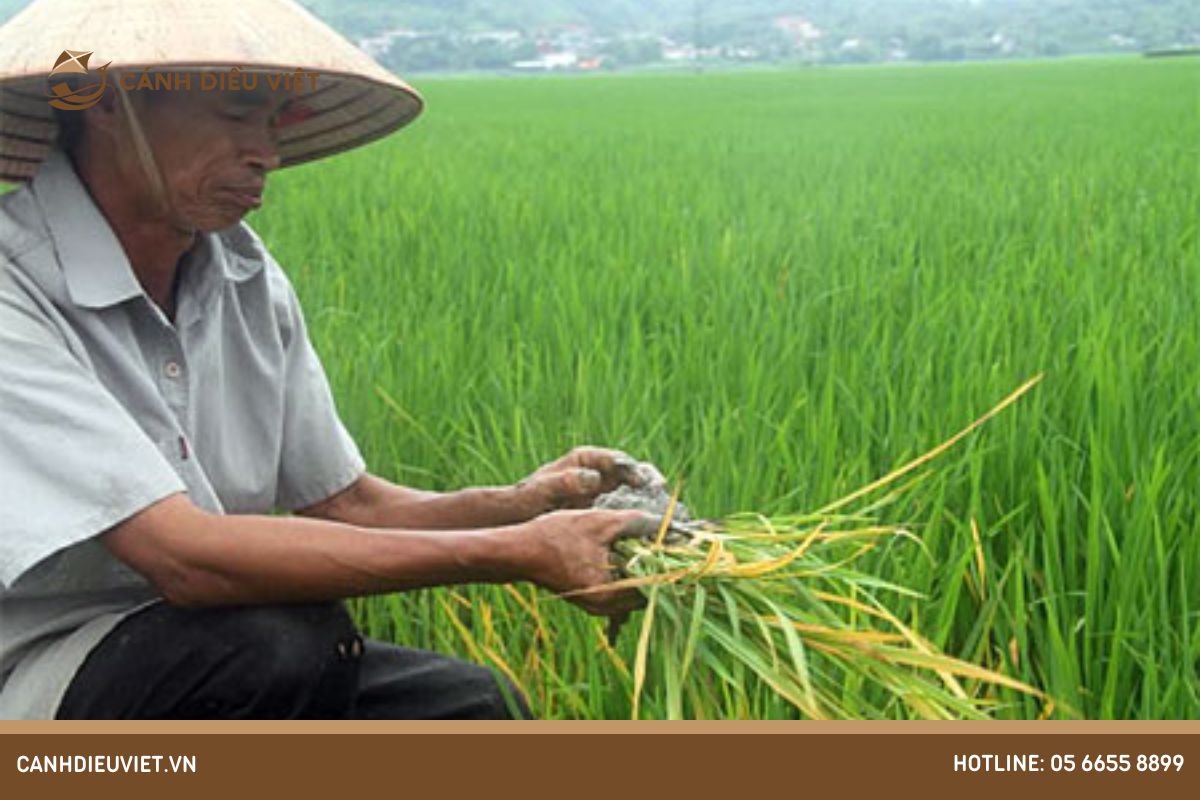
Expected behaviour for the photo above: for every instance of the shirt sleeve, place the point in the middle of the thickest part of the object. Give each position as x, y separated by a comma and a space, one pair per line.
318, 456
73, 462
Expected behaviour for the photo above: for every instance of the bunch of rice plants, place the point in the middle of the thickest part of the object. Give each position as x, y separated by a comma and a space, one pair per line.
781, 599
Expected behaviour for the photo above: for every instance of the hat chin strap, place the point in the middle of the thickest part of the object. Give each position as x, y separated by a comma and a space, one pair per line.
145, 155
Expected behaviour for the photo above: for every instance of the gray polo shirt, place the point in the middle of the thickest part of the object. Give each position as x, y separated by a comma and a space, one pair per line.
106, 407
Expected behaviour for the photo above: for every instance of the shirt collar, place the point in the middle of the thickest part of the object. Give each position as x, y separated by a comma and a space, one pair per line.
94, 264
97, 271
243, 254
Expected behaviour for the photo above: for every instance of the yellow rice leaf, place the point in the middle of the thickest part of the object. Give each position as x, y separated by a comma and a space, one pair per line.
485, 616
613, 656
632, 583
643, 648
979, 560
529, 609
849, 636
667, 517
715, 551
464, 632
935, 452
925, 708
956, 666
755, 569
924, 647
503, 666
850, 559
848, 601
820, 535
843, 634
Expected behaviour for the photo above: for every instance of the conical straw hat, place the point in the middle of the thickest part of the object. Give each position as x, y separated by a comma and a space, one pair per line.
355, 100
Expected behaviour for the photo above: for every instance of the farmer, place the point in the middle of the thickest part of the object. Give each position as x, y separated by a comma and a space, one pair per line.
160, 398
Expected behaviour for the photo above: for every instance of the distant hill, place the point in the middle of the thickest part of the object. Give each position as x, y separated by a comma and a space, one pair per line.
364, 17
1072, 22
771, 30
466, 34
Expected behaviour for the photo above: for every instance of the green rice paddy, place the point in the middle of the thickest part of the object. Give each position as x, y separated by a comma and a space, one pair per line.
779, 286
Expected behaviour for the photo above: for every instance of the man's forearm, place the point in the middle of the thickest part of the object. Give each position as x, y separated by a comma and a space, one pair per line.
199, 559
373, 502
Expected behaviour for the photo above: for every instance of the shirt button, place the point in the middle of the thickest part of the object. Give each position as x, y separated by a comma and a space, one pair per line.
173, 370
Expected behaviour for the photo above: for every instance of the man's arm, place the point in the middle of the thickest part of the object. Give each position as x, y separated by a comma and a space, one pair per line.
372, 502
573, 481
199, 559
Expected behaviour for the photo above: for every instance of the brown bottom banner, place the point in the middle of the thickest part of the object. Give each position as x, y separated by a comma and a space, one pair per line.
573, 763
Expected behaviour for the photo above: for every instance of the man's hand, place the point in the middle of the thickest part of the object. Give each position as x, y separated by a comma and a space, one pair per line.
579, 477
571, 552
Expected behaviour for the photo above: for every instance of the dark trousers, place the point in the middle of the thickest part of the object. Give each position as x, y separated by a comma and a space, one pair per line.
273, 662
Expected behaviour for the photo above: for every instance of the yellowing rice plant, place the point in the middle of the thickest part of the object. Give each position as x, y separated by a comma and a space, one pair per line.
780, 599
783, 598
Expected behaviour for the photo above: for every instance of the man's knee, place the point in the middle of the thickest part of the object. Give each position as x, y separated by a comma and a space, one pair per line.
286, 635
404, 683
286, 661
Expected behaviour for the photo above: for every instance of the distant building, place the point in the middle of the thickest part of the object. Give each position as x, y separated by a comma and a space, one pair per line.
549, 61
376, 46
1003, 43
679, 52
802, 32
496, 37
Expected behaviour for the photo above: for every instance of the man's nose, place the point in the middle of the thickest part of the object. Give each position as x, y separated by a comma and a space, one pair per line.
262, 151
265, 158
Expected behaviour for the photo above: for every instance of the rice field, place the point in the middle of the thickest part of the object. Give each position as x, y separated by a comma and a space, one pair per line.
779, 286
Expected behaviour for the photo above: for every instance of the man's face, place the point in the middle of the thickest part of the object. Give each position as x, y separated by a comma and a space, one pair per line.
213, 150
